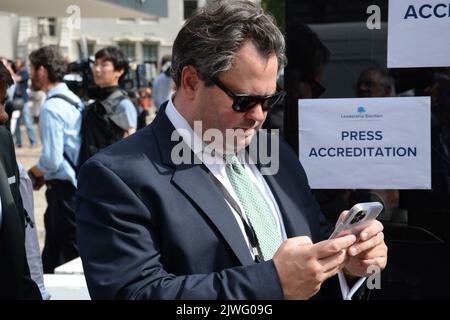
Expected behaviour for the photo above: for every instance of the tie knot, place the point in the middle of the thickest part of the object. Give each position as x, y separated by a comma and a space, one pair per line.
234, 164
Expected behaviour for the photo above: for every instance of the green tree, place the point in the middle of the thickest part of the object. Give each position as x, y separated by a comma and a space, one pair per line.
276, 8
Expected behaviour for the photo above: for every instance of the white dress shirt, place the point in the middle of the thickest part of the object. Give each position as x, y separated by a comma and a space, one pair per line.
32, 249
216, 166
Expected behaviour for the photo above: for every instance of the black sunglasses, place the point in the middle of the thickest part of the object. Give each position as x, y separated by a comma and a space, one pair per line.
245, 102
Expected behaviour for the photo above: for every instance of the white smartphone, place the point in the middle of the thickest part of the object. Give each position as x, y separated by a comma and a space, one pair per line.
359, 217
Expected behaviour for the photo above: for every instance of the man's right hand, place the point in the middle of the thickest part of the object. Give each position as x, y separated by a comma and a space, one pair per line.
303, 266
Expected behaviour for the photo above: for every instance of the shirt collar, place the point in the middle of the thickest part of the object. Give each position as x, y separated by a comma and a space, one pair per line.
60, 87
192, 139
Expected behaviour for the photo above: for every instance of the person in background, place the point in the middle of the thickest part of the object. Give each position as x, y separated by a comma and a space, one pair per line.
306, 69
15, 280
21, 96
11, 123
60, 124
163, 84
110, 67
145, 105
376, 83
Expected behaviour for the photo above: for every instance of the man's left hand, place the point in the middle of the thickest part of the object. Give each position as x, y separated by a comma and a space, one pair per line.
369, 250
37, 177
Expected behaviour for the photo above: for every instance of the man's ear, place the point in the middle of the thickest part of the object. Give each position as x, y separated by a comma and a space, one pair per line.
42, 73
121, 72
190, 81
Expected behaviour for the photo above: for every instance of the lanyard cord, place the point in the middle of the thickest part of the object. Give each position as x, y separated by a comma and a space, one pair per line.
249, 231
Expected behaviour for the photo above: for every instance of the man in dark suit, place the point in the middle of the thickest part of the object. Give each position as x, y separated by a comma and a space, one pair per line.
15, 281
160, 218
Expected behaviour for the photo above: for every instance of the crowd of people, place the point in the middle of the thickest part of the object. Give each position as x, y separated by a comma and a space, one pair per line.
149, 227
69, 129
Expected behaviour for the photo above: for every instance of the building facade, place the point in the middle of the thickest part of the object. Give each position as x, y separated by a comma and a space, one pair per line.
144, 40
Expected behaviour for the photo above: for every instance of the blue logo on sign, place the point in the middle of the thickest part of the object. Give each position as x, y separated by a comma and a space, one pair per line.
361, 110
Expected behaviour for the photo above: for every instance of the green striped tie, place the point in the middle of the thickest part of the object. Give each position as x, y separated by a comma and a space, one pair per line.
255, 207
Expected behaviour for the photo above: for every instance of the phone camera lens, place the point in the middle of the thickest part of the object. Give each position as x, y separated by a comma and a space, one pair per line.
358, 216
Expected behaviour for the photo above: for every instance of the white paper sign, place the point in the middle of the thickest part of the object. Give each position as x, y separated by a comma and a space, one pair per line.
418, 33
366, 143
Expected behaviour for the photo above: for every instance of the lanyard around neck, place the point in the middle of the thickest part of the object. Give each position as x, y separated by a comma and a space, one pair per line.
249, 231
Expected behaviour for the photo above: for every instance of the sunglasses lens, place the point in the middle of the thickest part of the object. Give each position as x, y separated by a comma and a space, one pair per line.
270, 102
244, 104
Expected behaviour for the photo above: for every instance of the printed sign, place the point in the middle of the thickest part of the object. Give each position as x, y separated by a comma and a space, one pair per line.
366, 143
418, 33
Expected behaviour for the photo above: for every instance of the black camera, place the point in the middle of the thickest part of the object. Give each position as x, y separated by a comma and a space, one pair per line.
80, 80
134, 79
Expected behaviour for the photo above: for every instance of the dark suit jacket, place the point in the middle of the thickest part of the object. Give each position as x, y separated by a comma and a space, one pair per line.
15, 281
148, 228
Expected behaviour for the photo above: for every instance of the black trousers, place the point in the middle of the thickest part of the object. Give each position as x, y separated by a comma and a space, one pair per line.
59, 219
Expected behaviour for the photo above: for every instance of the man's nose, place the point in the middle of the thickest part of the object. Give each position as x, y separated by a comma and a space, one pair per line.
256, 113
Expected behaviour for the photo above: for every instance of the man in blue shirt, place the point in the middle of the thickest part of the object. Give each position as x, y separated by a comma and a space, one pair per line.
60, 124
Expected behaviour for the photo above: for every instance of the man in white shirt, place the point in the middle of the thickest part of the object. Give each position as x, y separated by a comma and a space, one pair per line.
160, 218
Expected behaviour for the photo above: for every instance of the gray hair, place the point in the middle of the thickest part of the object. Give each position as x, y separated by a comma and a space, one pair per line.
211, 38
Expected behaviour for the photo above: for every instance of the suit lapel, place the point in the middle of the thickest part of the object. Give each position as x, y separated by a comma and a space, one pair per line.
211, 201
196, 184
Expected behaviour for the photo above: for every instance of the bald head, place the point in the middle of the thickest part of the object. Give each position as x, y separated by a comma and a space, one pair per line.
374, 83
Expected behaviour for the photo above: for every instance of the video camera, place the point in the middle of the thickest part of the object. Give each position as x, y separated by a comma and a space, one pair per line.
135, 78
80, 80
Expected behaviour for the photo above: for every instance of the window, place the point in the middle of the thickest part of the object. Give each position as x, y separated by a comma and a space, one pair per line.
128, 49
52, 27
150, 59
90, 49
189, 7
47, 27
150, 52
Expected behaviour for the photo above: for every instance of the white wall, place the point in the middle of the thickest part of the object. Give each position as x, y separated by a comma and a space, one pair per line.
8, 35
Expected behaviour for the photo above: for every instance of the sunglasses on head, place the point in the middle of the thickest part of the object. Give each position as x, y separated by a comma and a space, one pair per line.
245, 102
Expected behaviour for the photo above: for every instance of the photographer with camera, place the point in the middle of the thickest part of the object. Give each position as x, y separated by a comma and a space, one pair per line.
111, 65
